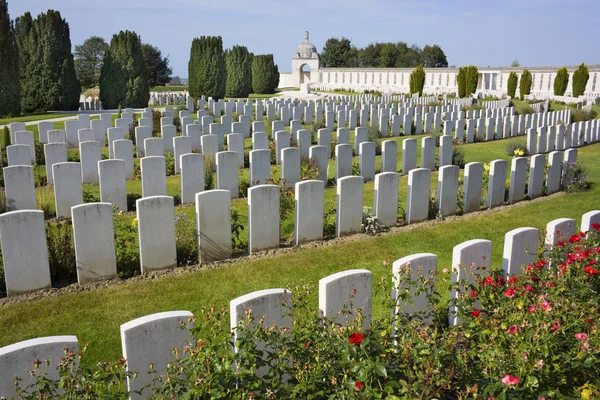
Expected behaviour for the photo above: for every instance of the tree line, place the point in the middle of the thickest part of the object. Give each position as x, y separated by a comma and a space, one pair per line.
341, 53
235, 72
40, 73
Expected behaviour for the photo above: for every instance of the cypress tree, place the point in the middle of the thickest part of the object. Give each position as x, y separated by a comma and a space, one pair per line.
47, 69
471, 79
417, 80
10, 85
207, 72
124, 75
513, 79
525, 84
265, 74
461, 81
561, 81
580, 80
239, 72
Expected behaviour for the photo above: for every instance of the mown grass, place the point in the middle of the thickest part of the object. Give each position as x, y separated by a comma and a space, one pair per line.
33, 117
95, 316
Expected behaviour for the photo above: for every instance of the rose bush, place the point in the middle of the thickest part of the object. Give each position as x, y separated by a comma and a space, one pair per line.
530, 336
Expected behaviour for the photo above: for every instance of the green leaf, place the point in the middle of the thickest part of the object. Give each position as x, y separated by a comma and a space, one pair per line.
380, 370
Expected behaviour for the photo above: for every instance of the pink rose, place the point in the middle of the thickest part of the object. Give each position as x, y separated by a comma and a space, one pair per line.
546, 305
581, 336
510, 380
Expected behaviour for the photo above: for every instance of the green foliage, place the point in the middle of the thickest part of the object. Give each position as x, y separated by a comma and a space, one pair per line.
47, 69
5, 138
265, 74
339, 53
309, 168
159, 72
237, 242
124, 75
170, 163
88, 61
186, 239
207, 73
10, 84
370, 223
127, 248
287, 200
525, 84
580, 79
329, 223
239, 72
516, 148
397, 55
61, 250
561, 82
433, 57
471, 79
417, 80
579, 115
461, 80
458, 157
90, 196
243, 186
513, 80
574, 178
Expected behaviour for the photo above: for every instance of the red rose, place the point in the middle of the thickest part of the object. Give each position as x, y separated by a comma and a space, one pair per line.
575, 239
359, 386
488, 281
356, 338
540, 264
509, 292
590, 271
582, 234
475, 313
561, 243
473, 294
596, 226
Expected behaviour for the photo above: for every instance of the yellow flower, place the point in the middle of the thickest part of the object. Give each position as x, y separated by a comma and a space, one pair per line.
486, 167
586, 394
519, 152
134, 223
121, 212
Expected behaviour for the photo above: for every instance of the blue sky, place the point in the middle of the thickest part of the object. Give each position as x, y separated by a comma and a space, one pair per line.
484, 32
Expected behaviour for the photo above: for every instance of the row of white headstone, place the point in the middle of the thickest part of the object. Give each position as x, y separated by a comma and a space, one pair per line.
26, 261
152, 338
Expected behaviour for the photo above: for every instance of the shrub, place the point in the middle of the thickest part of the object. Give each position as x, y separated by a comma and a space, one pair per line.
561, 82
170, 163
525, 84
89, 196
186, 239
5, 138
371, 224
237, 243
373, 133
516, 149
329, 223
309, 169
574, 178
61, 250
524, 109
579, 115
45, 201
131, 201
513, 80
287, 200
461, 80
458, 157
40, 157
127, 248
319, 124
244, 185
580, 80
471, 78
417, 80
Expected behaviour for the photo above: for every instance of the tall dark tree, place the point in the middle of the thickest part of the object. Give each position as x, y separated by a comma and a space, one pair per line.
417, 80
124, 76
159, 72
88, 61
239, 72
368, 57
580, 80
47, 69
207, 73
339, 53
10, 85
561, 82
471, 79
388, 55
461, 80
525, 84
433, 56
513, 80
265, 74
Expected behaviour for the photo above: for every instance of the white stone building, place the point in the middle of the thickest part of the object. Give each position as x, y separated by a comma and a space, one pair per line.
492, 80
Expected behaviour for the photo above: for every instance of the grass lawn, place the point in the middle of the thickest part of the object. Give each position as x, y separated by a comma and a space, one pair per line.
173, 88
95, 315
33, 117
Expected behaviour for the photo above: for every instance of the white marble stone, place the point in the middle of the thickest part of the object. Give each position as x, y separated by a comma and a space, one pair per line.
123, 150
344, 294
94, 238
213, 213
588, 219
67, 187
319, 154
367, 160
24, 252
559, 229
417, 201
520, 250
18, 154
349, 205
227, 172
536, 176
409, 155
308, 220
112, 183
554, 173
263, 217
496, 183
19, 188
385, 204
156, 233
447, 189
54, 153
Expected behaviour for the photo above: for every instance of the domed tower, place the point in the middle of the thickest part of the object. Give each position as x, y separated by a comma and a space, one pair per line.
305, 55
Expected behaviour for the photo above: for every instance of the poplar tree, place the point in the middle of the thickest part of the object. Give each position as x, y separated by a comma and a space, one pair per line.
461, 80
525, 84
580, 80
47, 69
124, 74
10, 85
265, 74
207, 73
471, 79
239, 72
513, 79
417, 80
